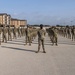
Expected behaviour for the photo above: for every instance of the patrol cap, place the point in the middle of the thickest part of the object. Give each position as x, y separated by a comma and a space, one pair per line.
41, 25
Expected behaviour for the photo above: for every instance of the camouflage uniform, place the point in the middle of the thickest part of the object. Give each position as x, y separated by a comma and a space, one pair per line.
14, 32
41, 35
31, 34
34, 34
23, 31
4, 34
64, 32
19, 32
28, 35
73, 33
69, 33
54, 39
9, 34
53, 35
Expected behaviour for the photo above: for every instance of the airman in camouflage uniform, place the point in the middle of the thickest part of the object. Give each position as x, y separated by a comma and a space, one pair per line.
9, 33
19, 32
4, 34
68, 32
22, 33
73, 33
34, 33
41, 36
14, 32
53, 35
28, 35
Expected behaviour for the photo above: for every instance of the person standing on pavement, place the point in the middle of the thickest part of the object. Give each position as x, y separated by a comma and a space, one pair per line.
41, 36
28, 35
4, 34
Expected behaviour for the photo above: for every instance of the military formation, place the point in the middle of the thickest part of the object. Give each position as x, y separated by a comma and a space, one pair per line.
7, 33
64, 31
52, 33
67, 32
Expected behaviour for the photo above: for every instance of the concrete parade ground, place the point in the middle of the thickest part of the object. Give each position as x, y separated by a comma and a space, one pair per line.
16, 58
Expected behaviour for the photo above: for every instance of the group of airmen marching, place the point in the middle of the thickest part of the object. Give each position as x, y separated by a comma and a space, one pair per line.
65, 31
7, 33
68, 32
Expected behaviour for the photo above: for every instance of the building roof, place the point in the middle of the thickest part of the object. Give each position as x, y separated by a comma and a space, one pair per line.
17, 19
3, 13
22, 20
14, 19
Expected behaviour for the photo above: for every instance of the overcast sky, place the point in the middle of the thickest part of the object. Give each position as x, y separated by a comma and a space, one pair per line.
50, 12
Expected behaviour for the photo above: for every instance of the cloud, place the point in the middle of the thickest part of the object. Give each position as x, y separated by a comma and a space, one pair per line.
38, 18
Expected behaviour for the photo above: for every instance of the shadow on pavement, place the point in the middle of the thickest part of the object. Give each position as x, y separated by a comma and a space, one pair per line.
44, 44
67, 43
18, 49
15, 43
49, 43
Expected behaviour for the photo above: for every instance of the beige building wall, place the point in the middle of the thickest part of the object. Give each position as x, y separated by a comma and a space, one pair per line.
1, 20
14, 22
8, 19
17, 22
5, 19
23, 22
